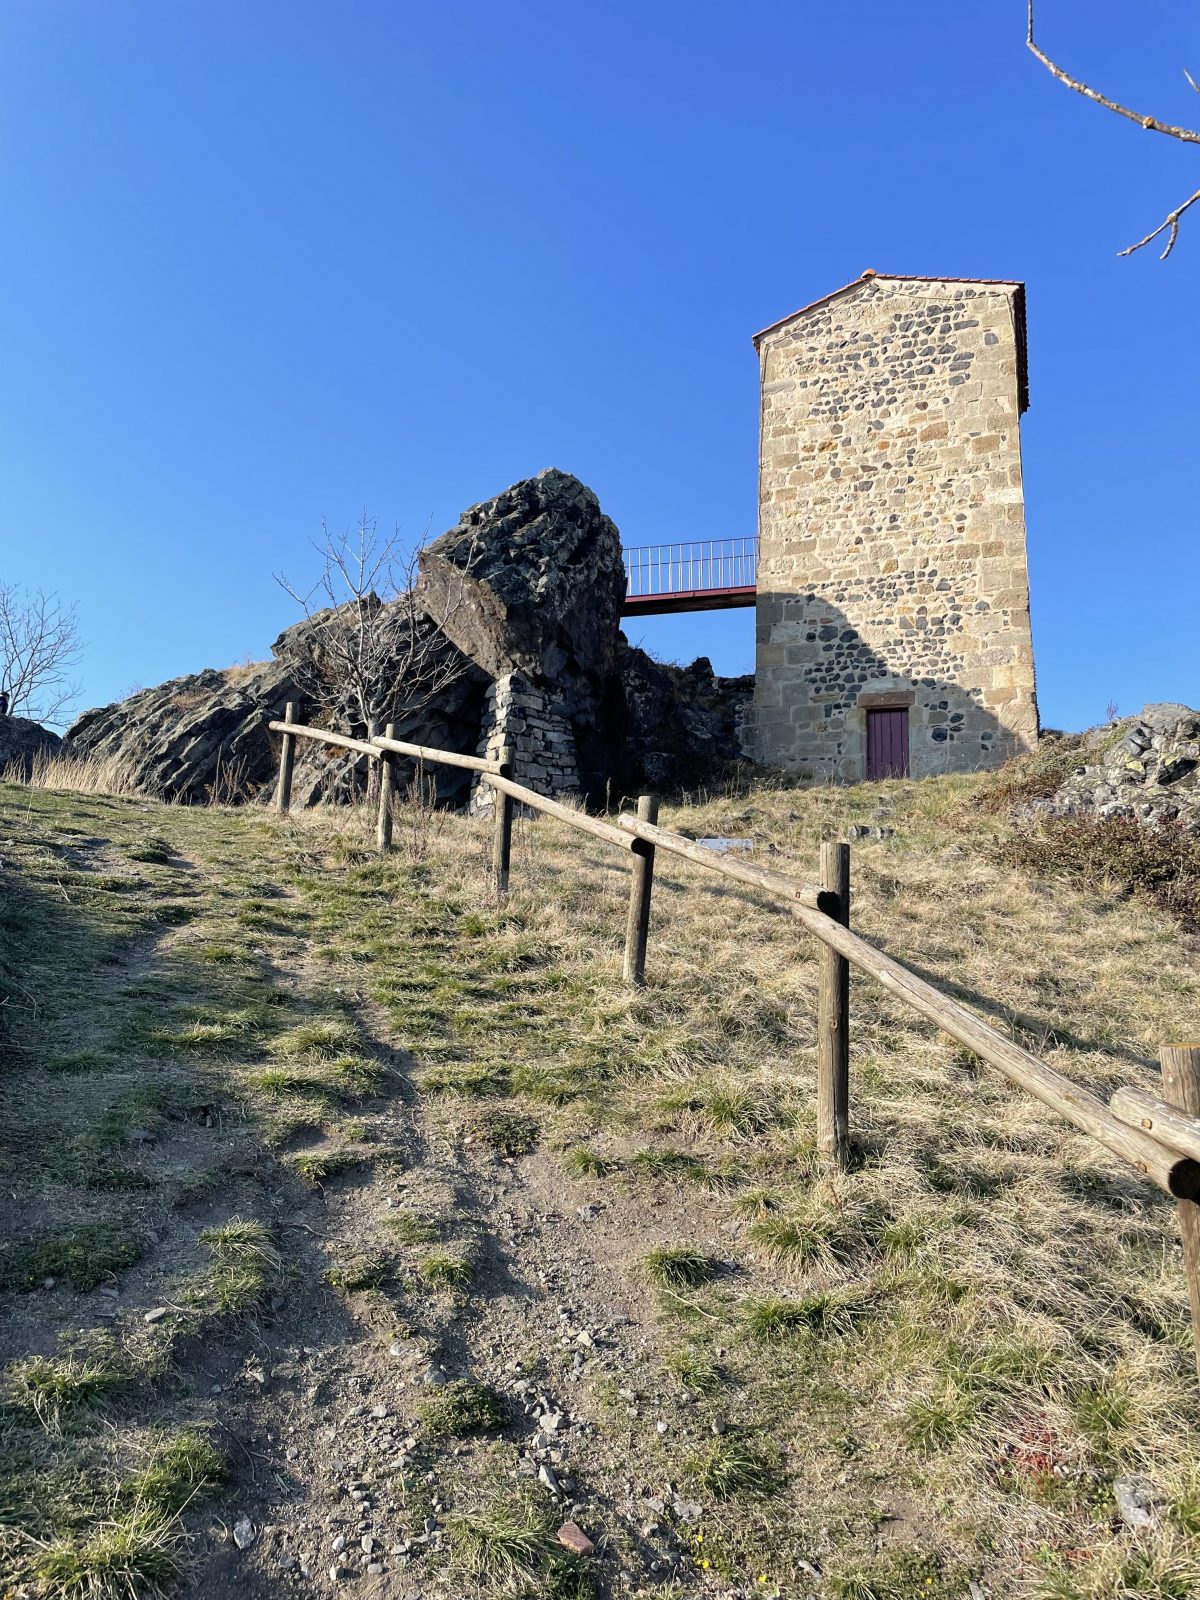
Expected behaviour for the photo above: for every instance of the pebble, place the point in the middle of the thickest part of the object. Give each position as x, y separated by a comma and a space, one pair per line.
339, 1544
546, 1477
573, 1537
243, 1533
155, 1314
1139, 1504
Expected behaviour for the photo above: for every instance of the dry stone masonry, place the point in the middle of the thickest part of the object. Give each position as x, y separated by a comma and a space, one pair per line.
525, 719
893, 593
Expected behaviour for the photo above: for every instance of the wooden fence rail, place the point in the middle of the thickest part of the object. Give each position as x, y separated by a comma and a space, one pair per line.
1159, 1138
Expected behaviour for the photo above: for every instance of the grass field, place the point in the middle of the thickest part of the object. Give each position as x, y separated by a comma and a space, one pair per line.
270, 1103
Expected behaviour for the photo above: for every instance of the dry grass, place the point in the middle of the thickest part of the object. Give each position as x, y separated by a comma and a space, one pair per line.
964, 1340
72, 774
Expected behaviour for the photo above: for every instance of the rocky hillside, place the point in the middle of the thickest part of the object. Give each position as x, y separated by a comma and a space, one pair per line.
1146, 768
524, 597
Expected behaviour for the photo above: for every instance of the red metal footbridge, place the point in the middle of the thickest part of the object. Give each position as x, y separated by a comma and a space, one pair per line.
706, 575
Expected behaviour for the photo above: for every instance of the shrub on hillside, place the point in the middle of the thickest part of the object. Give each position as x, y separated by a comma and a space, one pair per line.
1161, 863
1035, 776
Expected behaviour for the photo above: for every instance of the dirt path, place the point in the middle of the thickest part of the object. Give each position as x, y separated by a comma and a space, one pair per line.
340, 1477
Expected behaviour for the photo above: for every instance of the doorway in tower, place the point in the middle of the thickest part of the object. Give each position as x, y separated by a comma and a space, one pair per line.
887, 744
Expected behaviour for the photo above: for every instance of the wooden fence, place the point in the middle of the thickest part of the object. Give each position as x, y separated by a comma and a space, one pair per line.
1160, 1138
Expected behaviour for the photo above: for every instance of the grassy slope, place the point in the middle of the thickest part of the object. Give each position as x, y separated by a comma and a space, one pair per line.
929, 1371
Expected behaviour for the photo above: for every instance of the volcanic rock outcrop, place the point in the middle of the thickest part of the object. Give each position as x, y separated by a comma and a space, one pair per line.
1148, 769
530, 586
519, 606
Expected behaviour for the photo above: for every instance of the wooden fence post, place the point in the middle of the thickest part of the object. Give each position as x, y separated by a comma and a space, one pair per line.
503, 821
833, 1018
637, 927
1181, 1086
287, 757
387, 784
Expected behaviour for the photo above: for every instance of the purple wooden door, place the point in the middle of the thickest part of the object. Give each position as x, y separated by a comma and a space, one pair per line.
887, 744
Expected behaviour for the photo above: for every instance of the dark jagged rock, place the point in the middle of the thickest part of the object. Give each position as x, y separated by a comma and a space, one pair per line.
532, 582
21, 741
195, 739
678, 726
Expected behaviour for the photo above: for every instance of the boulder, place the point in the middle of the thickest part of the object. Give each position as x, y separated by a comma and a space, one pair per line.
532, 582
21, 741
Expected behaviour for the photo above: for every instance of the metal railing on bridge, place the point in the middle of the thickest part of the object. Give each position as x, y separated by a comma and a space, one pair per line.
703, 575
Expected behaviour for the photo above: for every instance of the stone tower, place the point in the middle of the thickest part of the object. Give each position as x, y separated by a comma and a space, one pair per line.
893, 591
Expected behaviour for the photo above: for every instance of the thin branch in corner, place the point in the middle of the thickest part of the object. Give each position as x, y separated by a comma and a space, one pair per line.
1170, 224
1188, 135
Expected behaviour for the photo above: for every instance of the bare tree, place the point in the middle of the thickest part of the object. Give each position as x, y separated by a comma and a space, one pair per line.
371, 646
39, 644
1170, 223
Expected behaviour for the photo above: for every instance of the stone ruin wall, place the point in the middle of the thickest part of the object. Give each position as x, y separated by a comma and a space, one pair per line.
523, 717
892, 566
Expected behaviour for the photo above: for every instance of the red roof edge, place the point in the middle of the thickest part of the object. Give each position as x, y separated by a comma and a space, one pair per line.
899, 277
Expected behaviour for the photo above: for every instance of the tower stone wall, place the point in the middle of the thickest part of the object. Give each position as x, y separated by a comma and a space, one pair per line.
892, 570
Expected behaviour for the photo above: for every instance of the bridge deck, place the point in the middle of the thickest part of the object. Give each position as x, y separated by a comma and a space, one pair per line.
705, 575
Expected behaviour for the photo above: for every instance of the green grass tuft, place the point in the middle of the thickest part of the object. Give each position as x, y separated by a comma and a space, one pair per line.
772, 1319
58, 1391
134, 1556
321, 1038
582, 1162
695, 1369
411, 1228
83, 1256
462, 1408
734, 1466
180, 1469
679, 1266
316, 1166
246, 1265
445, 1270
499, 1547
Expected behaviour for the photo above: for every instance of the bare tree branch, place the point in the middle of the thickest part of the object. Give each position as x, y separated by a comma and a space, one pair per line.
1170, 224
39, 643
371, 648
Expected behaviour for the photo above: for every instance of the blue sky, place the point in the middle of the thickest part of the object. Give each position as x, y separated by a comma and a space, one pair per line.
266, 263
